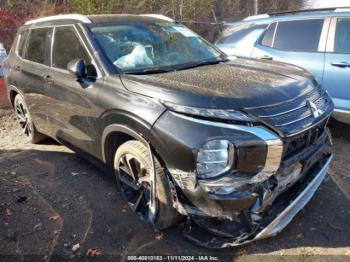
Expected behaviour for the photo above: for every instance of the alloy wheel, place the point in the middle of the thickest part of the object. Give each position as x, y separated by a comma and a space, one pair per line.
23, 118
135, 185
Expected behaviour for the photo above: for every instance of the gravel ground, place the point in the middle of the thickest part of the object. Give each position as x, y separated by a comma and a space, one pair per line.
51, 200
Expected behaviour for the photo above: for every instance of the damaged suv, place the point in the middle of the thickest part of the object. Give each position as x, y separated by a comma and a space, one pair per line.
238, 147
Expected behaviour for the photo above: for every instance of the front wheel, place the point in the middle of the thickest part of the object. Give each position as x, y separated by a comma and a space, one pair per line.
132, 164
25, 121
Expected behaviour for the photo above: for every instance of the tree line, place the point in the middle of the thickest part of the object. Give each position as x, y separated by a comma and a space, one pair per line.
199, 15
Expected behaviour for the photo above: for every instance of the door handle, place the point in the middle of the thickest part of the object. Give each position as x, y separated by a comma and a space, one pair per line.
340, 64
47, 78
266, 57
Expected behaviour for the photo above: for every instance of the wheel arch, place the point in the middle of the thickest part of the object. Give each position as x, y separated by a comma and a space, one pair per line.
12, 96
12, 93
114, 136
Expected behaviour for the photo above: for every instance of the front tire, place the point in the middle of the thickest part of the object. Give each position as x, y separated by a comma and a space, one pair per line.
133, 166
25, 121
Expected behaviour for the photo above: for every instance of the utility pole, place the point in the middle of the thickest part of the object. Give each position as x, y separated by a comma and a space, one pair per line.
181, 6
256, 7
173, 4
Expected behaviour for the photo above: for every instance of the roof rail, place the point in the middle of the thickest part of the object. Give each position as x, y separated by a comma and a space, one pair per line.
253, 17
159, 17
77, 17
335, 9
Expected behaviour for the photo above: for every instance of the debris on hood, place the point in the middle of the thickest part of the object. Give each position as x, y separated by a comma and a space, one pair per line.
93, 252
8, 212
75, 247
22, 199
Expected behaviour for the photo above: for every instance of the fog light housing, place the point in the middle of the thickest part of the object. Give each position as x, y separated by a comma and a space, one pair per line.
214, 158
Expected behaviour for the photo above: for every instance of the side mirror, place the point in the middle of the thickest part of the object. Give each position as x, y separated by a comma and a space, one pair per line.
77, 68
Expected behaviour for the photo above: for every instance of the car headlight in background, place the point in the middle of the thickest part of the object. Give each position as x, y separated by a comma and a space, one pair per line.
214, 158
224, 114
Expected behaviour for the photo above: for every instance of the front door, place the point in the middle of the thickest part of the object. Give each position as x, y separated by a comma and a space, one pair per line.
337, 68
73, 109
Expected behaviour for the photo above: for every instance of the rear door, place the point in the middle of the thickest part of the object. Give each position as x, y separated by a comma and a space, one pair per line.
72, 114
298, 42
337, 67
31, 66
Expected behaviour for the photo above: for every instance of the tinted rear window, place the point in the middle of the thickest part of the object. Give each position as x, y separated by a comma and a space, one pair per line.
302, 36
234, 34
35, 45
342, 36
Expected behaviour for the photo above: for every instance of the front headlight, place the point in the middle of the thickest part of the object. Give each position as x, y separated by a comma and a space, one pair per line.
225, 114
214, 158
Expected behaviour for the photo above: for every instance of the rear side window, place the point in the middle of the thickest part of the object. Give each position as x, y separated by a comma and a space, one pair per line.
21, 44
67, 47
35, 47
268, 37
342, 36
301, 36
235, 34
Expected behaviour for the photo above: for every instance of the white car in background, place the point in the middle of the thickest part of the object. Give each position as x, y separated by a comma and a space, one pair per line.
3, 55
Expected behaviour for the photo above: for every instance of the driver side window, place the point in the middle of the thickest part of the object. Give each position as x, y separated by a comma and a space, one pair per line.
67, 47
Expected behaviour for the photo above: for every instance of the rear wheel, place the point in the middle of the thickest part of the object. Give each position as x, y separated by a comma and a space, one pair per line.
133, 166
25, 121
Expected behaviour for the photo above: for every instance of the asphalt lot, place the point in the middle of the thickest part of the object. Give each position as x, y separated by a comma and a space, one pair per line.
51, 199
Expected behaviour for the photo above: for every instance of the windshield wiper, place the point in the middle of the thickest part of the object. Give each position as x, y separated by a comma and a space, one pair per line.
147, 71
204, 63
157, 70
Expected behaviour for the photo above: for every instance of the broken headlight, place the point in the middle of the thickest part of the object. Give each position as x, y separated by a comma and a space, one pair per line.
224, 114
214, 158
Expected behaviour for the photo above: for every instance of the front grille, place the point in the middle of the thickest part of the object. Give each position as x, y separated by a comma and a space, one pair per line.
294, 115
296, 144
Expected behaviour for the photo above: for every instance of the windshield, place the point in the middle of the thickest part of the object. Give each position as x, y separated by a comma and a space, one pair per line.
240, 33
144, 46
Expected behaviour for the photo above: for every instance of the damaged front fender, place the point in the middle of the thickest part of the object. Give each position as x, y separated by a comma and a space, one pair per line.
235, 207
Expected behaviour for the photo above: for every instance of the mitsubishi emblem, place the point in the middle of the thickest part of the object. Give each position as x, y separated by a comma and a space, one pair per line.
316, 112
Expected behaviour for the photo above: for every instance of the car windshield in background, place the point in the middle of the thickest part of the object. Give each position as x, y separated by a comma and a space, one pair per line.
142, 47
234, 34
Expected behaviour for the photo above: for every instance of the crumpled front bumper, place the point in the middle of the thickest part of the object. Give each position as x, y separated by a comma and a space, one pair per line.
261, 196
284, 218
200, 236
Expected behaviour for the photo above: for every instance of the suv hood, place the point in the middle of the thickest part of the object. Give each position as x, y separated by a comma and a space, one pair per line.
236, 84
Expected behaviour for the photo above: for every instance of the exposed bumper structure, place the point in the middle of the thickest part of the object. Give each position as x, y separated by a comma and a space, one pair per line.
284, 218
195, 233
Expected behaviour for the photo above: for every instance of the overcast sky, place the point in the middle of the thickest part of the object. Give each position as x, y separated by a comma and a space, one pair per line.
327, 3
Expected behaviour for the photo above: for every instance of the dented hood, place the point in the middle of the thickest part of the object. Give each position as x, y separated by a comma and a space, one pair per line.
236, 84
